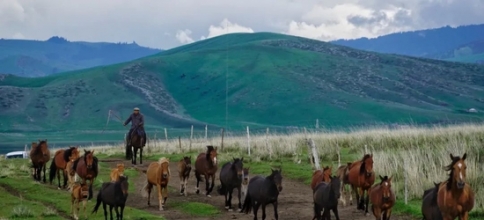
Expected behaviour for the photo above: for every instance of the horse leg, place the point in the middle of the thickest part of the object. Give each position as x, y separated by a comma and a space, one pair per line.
377, 212
117, 212
65, 179
111, 212
354, 189
276, 216
181, 184
207, 185
361, 199
44, 173
349, 192
213, 183
57, 170
367, 201
121, 212
140, 155
198, 177
463, 216
342, 193
150, 187
135, 152
185, 185
229, 201
226, 195
255, 206
90, 189
239, 192
160, 196
335, 211
84, 205
264, 211
165, 194
105, 211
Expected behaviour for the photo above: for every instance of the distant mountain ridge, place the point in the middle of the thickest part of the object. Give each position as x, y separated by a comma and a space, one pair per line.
33, 58
437, 43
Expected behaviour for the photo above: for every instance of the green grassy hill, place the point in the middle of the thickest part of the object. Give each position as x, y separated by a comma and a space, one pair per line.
472, 52
273, 80
55, 55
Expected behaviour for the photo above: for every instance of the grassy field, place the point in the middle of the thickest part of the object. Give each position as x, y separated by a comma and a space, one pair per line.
265, 74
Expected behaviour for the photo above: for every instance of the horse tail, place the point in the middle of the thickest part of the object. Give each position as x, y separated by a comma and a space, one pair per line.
52, 171
247, 204
98, 203
221, 189
144, 191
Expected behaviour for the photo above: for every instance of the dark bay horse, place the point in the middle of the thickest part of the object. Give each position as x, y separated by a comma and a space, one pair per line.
231, 176
115, 195
325, 197
382, 199
158, 174
342, 174
39, 155
184, 168
59, 162
430, 209
87, 168
361, 177
322, 175
135, 144
263, 191
206, 165
455, 197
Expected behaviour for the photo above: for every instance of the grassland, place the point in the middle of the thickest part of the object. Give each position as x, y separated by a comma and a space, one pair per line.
33, 58
273, 81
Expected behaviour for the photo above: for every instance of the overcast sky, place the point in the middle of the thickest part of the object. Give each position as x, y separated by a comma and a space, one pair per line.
170, 23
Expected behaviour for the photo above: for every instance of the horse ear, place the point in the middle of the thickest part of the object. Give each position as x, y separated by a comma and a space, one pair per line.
451, 156
92, 152
272, 170
464, 157
390, 179
233, 158
371, 155
242, 159
85, 151
381, 178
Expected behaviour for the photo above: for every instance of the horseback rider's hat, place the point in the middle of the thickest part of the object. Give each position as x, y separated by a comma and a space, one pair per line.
136, 109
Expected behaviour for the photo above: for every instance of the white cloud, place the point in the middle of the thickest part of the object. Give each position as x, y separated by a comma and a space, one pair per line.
183, 36
18, 36
226, 27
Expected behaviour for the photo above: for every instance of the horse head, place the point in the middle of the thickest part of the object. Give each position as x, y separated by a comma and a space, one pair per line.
238, 166
89, 158
327, 173
277, 178
367, 164
75, 153
457, 171
123, 182
165, 167
120, 167
386, 187
335, 183
43, 147
188, 163
245, 174
212, 154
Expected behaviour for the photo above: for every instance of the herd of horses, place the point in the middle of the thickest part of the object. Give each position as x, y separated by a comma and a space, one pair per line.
447, 200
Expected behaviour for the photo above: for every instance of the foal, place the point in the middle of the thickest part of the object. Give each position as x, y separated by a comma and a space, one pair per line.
382, 198
184, 168
342, 174
245, 183
79, 194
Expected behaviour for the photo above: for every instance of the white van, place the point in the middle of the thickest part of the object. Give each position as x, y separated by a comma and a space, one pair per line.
17, 154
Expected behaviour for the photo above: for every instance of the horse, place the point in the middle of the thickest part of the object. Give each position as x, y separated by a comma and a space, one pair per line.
135, 144
342, 174
362, 177
382, 198
115, 195
59, 162
87, 168
79, 194
71, 173
39, 155
326, 196
231, 176
263, 191
245, 182
117, 172
430, 209
158, 173
206, 165
184, 168
455, 197
322, 175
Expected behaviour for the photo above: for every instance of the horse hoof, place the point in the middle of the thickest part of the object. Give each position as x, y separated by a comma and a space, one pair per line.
367, 214
239, 210
230, 210
226, 207
209, 196
197, 192
181, 194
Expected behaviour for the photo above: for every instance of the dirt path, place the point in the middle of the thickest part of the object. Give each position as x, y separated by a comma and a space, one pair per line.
295, 200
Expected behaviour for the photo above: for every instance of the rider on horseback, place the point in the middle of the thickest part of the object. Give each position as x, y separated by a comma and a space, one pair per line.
137, 122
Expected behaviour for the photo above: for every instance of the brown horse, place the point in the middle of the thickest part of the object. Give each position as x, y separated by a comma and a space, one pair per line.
455, 197
158, 173
39, 155
342, 174
184, 168
135, 144
206, 165
322, 175
87, 168
382, 198
59, 162
117, 172
361, 177
79, 194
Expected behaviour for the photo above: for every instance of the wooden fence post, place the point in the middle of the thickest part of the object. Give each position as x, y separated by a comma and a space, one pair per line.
166, 135
179, 144
405, 176
248, 141
191, 137
206, 131
267, 144
311, 159
222, 144
315, 153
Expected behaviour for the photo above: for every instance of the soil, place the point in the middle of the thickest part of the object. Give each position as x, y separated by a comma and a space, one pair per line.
295, 200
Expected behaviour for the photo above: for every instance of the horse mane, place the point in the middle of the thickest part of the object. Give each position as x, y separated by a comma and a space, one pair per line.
209, 149
234, 162
68, 153
362, 167
164, 160
451, 173
38, 148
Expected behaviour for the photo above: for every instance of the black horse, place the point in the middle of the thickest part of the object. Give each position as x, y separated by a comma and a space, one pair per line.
430, 209
263, 191
231, 178
326, 196
135, 144
115, 195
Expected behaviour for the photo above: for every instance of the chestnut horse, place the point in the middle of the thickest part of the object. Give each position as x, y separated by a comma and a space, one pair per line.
158, 174
361, 177
323, 175
342, 174
382, 199
117, 172
184, 168
59, 162
206, 165
455, 197
87, 168
39, 155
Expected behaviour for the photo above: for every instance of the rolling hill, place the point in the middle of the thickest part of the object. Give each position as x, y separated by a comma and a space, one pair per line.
273, 80
438, 43
41, 58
